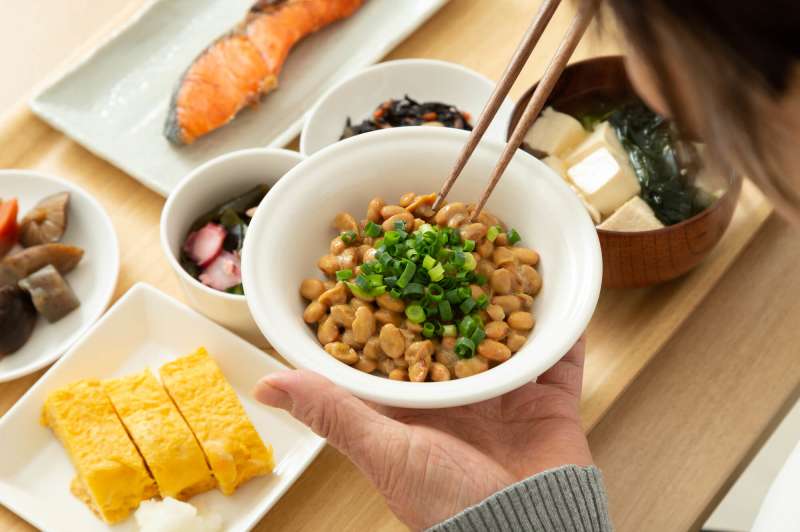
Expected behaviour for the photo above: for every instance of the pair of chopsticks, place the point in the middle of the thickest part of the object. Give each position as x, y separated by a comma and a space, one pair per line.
554, 69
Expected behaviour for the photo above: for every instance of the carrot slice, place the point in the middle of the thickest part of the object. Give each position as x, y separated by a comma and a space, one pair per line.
8, 225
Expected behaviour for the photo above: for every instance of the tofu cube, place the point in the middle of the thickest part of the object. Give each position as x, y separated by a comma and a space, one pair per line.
555, 133
605, 180
560, 167
557, 164
634, 215
603, 136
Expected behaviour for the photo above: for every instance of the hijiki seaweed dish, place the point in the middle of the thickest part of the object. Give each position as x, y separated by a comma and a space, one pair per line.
408, 112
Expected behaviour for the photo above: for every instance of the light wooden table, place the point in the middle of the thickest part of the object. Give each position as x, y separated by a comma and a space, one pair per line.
670, 444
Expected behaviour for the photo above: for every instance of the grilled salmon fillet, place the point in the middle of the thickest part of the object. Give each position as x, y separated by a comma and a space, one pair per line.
240, 67
212, 409
112, 477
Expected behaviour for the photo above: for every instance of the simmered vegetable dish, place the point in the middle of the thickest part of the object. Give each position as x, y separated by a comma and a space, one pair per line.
418, 295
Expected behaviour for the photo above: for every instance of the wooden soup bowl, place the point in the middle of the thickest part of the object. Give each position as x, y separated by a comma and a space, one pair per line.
643, 258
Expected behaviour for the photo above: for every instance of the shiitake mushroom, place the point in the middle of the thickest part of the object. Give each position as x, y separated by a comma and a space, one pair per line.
17, 318
46, 222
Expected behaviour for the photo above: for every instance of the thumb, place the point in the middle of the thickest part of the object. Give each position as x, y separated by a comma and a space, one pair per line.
347, 422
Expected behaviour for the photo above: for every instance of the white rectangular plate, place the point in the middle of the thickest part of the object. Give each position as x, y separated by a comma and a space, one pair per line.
114, 102
144, 329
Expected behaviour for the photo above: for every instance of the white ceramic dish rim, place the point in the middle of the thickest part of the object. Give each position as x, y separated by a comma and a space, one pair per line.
386, 65
430, 394
113, 246
281, 140
120, 304
187, 182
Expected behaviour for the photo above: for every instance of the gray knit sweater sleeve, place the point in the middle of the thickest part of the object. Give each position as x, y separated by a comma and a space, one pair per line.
569, 498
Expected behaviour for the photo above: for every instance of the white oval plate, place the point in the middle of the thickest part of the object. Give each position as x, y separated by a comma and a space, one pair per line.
93, 280
423, 80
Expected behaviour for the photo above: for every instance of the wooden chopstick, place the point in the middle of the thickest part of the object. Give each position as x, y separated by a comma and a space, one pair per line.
508, 78
554, 69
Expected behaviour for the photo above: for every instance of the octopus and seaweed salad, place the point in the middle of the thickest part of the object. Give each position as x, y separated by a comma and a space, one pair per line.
212, 251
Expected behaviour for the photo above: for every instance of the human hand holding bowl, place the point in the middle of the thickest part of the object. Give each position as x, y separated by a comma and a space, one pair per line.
431, 464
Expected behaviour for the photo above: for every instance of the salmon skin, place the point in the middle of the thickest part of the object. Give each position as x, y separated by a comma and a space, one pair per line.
240, 67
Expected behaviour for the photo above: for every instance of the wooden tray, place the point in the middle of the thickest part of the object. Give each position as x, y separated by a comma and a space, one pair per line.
627, 332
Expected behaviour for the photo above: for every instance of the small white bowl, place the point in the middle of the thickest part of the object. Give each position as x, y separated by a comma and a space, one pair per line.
93, 280
209, 185
423, 80
293, 224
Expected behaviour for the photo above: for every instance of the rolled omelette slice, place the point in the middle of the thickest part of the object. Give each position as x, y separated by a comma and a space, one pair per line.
209, 405
112, 477
162, 436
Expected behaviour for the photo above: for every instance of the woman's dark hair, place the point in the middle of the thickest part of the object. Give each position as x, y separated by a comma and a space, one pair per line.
737, 55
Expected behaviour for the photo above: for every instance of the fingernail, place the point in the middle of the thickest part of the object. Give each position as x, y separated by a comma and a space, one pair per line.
267, 391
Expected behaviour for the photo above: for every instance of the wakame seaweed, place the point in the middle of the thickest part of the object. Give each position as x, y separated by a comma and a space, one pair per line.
408, 112
651, 145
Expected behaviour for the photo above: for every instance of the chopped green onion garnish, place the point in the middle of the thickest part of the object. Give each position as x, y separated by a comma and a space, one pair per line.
492, 233
445, 310
372, 229
465, 348
408, 273
391, 238
377, 290
453, 296
436, 273
348, 237
467, 306
469, 263
431, 269
358, 291
414, 290
435, 292
513, 237
415, 313
467, 326
478, 336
